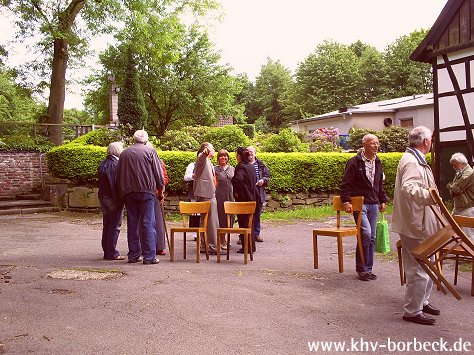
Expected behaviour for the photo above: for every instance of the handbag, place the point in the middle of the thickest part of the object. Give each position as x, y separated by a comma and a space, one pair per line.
382, 241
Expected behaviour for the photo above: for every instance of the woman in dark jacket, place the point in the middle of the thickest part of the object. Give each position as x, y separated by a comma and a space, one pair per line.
244, 186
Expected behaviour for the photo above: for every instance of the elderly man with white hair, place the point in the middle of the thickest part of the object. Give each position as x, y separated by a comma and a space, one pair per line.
414, 221
140, 180
462, 186
363, 176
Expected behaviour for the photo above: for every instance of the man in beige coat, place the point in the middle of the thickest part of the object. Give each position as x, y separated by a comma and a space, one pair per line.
205, 190
414, 220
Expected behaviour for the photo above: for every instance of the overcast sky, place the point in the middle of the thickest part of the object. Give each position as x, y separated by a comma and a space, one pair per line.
288, 31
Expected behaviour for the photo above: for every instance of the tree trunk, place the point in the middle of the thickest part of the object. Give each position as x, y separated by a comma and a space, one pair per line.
57, 91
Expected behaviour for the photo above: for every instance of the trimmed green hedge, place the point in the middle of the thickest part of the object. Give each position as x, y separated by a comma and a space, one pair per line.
290, 172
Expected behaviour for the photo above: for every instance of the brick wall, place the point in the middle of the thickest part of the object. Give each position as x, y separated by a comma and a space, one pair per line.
20, 173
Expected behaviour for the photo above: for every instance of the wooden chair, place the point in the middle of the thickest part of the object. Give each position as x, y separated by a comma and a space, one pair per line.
442, 243
187, 209
341, 232
237, 208
459, 254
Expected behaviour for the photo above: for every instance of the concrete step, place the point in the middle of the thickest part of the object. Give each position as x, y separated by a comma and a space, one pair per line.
26, 207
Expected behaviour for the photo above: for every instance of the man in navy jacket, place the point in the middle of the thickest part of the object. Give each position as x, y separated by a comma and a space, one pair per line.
363, 176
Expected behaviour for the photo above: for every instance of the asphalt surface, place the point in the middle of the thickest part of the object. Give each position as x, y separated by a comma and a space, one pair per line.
274, 305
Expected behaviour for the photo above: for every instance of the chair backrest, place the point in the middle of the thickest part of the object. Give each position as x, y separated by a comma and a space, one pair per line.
451, 220
189, 208
356, 201
240, 208
464, 221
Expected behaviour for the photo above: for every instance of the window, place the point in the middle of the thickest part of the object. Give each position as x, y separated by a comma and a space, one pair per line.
406, 122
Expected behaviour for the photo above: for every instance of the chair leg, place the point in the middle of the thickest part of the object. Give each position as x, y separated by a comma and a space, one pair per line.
184, 245
361, 249
400, 264
218, 247
172, 246
245, 244
456, 266
228, 245
198, 249
315, 251
439, 280
472, 278
250, 237
206, 245
340, 254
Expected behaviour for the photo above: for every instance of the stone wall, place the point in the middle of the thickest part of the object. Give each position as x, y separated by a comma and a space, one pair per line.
81, 197
21, 173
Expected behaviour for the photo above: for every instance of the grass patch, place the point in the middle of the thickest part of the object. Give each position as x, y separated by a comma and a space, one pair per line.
465, 267
391, 256
306, 213
316, 213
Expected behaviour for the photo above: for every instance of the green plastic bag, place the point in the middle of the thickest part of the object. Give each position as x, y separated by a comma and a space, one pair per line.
382, 241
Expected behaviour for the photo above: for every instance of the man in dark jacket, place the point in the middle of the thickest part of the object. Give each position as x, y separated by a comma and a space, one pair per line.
139, 178
363, 176
110, 202
263, 178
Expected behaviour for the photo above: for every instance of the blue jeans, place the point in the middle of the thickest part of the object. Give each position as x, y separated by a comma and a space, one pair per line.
141, 217
368, 229
256, 219
111, 220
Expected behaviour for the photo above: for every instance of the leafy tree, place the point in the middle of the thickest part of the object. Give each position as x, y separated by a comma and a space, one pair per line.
272, 89
327, 79
253, 110
405, 76
64, 27
393, 139
180, 77
179, 140
131, 111
373, 76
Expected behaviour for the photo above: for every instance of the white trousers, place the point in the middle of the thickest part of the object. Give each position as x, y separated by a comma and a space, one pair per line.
418, 283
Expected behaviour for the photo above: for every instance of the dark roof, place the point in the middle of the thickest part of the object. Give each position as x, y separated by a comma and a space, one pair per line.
439, 40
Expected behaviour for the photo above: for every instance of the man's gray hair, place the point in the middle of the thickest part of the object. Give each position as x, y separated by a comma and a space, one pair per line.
417, 135
368, 136
115, 148
140, 136
458, 158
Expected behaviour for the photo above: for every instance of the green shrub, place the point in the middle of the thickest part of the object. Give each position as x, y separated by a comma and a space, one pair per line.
286, 141
248, 128
101, 137
178, 140
75, 162
290, 172
394, 139
26, 143
227, 137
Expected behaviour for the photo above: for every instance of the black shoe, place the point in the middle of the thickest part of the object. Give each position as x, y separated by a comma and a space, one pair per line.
241, 251
431, 310
373, 276
132, 261
364, 276
152, 261
420, 319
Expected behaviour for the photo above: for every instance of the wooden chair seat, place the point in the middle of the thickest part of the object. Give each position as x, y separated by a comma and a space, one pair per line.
187, 209
341, 232
237, 208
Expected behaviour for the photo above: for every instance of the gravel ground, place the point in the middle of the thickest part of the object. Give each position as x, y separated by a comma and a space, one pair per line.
58, 296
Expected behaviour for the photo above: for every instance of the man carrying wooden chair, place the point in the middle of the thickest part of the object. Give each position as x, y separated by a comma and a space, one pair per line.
414, 221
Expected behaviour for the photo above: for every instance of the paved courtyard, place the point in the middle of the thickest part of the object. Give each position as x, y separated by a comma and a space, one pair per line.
274, 305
